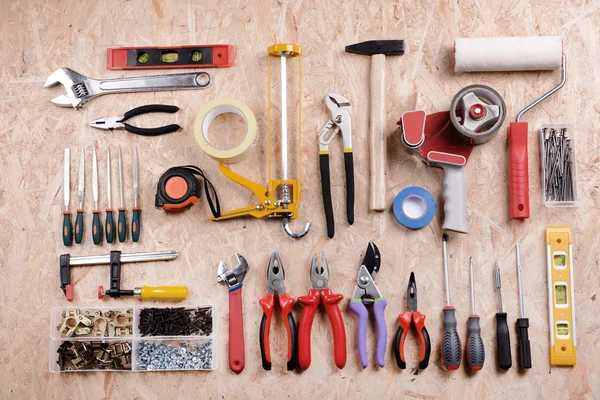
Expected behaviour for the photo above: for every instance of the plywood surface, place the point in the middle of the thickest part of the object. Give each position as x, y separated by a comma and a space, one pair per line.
37, 37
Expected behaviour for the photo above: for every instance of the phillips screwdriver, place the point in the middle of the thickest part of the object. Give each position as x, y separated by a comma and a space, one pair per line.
80, 191
110, 221
122, 221
451, 347
502, 333
135, 222
522, 322
96, 226
475, 350
67, 230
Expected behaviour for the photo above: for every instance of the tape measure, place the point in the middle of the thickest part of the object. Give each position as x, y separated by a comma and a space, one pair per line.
179, 188
561, 296
414, 207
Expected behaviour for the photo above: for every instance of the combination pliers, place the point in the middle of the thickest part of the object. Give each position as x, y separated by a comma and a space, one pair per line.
340, 109
118, 122
367, 293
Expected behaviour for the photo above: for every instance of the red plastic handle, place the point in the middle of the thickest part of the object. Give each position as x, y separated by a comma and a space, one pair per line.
331, 301
267, 303
419, 320
405, 320
286, 303
237, 358
310, 302
518, 170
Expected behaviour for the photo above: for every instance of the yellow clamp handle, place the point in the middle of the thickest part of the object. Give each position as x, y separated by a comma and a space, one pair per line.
172, 293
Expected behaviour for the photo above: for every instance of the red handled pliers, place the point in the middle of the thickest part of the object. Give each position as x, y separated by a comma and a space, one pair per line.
410, 317
319, 275
276, 278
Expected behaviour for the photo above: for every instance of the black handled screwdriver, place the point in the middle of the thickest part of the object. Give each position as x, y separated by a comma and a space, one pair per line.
475, 350
451, 347
522, 322
502, 333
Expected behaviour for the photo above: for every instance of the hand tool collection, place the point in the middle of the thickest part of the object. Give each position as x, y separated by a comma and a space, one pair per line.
187, 335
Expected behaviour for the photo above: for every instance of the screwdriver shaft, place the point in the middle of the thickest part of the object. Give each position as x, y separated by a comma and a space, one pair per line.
520, 276
447, 280
472, 286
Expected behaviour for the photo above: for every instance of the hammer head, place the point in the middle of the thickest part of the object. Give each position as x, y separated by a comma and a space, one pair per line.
370, 47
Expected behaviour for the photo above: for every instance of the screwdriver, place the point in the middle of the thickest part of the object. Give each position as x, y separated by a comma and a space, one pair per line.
135, 222
96, 226
502, 334
80, 192
122, 222
67, 230
110, 221
475, 350
451, 347
522, 323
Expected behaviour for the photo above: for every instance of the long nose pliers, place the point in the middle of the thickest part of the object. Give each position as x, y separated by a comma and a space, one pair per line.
340, 109
319, 275
118, 122
276, 278
409, 318
367, 293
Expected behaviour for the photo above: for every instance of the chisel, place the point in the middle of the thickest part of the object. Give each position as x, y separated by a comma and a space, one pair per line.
122, 222
80, 191
502, 333
67, 230
135, 222
110, 221
522, 322
96, 226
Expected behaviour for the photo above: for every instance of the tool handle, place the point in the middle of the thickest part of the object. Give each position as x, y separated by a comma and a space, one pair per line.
151, 131
360, 310
166, 293
136, 224
403, 328
518, 174
332, 309
475, 349
455, 199
379, 310
286, 303
503, 341
451, 347
96, 227
79, 226
326, 189
267, 303
237, 358
149, 108
524, 345
109, 228
424, 339
67, 229
122, 225
349, 166
377, 133
310, 302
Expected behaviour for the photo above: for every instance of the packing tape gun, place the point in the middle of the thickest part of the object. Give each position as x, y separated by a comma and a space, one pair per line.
414, 207
179, 188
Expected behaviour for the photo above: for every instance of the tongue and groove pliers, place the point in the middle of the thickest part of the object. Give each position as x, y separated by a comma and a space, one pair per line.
340, 109
319, 275
276, 278
367, 293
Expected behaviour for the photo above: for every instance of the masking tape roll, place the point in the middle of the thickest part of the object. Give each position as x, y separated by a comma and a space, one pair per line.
211, 110
414, 207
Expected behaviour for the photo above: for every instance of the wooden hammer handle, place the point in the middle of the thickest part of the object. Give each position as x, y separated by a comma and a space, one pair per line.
377, 133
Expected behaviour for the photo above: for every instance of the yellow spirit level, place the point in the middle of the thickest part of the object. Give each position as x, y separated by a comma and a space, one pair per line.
561, 296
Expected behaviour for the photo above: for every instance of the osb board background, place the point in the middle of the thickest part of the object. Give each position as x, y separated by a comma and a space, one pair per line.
39, 37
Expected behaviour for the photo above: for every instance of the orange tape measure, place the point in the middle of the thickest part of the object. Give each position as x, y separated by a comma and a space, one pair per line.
179, 188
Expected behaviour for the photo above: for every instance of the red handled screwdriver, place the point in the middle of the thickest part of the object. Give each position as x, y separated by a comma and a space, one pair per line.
451, 347
475, 350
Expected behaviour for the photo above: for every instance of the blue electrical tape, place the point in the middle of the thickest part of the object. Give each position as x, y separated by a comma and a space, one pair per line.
418, 203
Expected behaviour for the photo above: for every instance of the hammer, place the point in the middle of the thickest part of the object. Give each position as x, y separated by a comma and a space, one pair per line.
377, 49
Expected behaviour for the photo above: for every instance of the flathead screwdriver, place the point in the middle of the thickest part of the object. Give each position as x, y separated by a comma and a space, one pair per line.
475, 350
522, 322
451, 347
122, 218
502, 333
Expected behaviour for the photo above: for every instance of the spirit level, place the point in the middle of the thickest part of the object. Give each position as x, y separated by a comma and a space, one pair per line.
561, 297
209, 55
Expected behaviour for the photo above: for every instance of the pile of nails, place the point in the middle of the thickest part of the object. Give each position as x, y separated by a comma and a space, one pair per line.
94, 355
176, 321
164, 356
558, 165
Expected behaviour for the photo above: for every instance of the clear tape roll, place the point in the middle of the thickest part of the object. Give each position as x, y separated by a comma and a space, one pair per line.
211, 110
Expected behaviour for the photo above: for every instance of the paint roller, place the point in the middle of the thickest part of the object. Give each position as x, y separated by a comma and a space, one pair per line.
536, 53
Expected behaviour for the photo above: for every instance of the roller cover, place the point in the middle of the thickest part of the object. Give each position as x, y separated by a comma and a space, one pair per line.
526, 53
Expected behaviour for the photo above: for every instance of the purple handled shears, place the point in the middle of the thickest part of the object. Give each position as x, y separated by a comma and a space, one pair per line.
367, 293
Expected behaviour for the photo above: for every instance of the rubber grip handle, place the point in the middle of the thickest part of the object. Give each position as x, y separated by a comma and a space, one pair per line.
377, 148
455, 198
149, 108
405, 321
349, 166
503, 341
524, 345
110, 226
360, 310
122, 225
518, 176
379, 310
326, 189
310, 302
267, 303
79, 227
451, 347
136, 225
286, 303
151, 131
237, 357
67, 229
475, 349
424, 339
338, 329
170, 293
96, 227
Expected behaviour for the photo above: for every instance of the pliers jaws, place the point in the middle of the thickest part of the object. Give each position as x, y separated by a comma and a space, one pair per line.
340, 109
275, 275
319, 275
